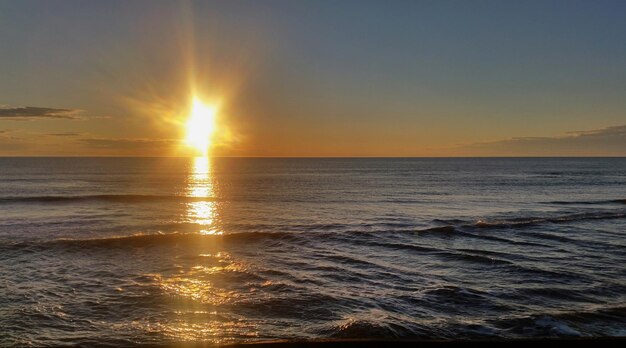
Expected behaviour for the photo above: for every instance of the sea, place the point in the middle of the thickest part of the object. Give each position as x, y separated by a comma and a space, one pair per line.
132, 251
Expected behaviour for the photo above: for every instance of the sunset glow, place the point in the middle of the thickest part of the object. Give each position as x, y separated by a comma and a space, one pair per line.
201, 126
204, 173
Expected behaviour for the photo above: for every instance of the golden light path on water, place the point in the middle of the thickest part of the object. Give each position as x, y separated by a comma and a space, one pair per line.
201, 185
197, 289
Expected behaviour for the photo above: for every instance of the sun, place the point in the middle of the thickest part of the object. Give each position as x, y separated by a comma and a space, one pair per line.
201, 126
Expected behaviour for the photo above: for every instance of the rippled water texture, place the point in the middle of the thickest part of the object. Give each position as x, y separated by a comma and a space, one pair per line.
124, 251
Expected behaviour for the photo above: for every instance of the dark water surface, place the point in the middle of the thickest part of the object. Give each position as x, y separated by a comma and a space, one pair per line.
122, 251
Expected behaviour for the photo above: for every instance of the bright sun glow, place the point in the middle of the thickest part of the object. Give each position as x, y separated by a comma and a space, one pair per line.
201, 126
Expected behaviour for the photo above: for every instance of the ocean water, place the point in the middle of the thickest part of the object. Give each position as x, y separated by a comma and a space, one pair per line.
123, 251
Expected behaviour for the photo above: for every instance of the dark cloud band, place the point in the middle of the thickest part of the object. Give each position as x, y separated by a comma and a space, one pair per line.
29, 112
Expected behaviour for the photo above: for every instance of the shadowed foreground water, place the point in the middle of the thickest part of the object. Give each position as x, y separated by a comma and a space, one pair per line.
126, 251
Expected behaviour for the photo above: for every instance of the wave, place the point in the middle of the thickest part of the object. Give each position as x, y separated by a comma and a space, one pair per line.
193, 238
564, 323
531, 221
439, 229
364, 329
146, 198
458, 226
609, 201
278, 234
104, 198
138, 240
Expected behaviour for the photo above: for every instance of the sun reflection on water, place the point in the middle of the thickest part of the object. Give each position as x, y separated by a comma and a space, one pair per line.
201, 185
200, 294
201, 288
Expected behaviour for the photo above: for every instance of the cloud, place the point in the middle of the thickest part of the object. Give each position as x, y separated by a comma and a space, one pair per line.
609, 131
7, 134
32, 112
68, 134
609, 141
128, 144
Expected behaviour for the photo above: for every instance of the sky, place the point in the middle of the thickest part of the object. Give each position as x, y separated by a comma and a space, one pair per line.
314, 78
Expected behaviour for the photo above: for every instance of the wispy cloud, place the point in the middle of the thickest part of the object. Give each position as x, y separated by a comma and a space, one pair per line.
609, 131
7, 134
609, 141
68, 134
128, 144
33, 112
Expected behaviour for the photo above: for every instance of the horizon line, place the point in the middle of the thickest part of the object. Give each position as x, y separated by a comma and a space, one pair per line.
311, 157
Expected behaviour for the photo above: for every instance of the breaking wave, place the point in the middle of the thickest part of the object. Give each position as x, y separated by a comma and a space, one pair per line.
104, 198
